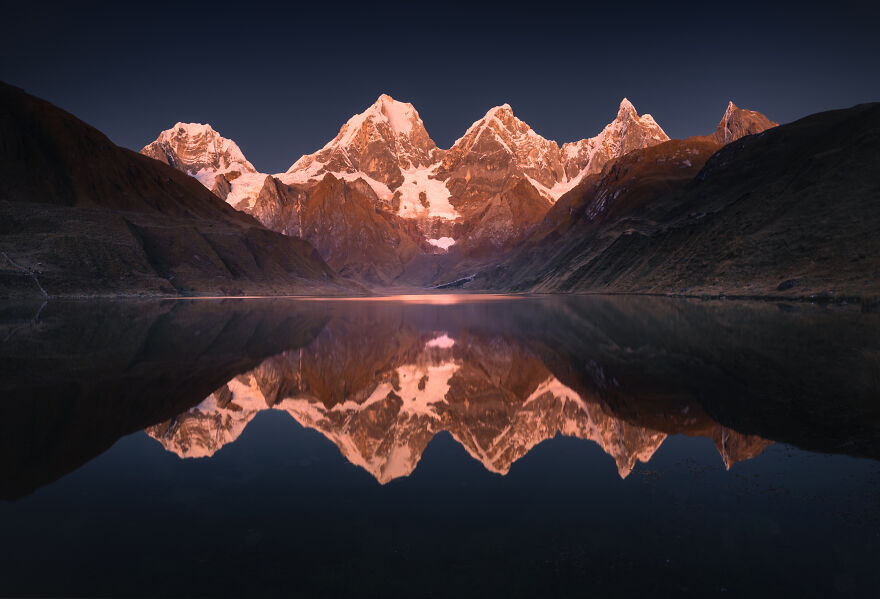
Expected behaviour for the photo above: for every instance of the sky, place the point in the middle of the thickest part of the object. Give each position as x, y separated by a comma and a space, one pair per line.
280, 81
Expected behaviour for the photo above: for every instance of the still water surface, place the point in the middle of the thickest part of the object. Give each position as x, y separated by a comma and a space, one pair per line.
430, 446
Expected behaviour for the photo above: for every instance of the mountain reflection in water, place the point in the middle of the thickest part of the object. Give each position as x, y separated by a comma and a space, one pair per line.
381, 378
567, 397
491, 392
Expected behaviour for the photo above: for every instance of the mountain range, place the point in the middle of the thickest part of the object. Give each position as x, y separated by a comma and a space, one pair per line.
382, 188
751, 209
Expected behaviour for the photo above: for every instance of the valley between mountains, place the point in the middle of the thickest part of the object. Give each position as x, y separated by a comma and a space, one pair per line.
750, 209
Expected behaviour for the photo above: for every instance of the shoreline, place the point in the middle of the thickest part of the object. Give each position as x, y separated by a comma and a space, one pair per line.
425, 295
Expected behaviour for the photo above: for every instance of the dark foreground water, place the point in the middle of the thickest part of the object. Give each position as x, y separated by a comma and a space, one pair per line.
472, 447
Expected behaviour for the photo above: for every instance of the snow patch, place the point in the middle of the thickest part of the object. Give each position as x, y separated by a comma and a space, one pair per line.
247, 186
443, 243
560, 187
557, 389
420, 180
444, 341
421, 388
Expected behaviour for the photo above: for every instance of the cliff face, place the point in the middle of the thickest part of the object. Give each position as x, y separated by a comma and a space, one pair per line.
341, 220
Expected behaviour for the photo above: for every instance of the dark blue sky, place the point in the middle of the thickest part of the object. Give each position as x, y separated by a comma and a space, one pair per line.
281, 81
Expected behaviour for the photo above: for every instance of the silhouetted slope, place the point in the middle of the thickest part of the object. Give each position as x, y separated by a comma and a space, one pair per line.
81, 375
80, 215
792, 211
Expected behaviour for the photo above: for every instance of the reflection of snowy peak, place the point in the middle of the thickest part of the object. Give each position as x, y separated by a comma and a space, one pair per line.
217, 421
554, 408
403, 402
498, 402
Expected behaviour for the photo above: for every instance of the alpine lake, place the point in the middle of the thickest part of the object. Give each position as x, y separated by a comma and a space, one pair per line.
439, 445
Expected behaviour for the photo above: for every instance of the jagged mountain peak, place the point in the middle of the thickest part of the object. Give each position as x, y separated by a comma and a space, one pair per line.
627, 132
501, 110
382, 142
182, 128
502, 126
738, 122
626, 110
199, 150
400, 117
627, 116
195, 132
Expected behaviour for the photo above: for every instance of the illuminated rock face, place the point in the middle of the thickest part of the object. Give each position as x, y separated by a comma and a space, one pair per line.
739, 122
215, 161
387, 145
195, 148
381, 403
383, 143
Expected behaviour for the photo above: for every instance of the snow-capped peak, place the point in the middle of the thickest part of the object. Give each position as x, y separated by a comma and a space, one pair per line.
195, 147
191, 129
400, 117
198, 150
504, 128
626, 110
495, 110
388, 147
